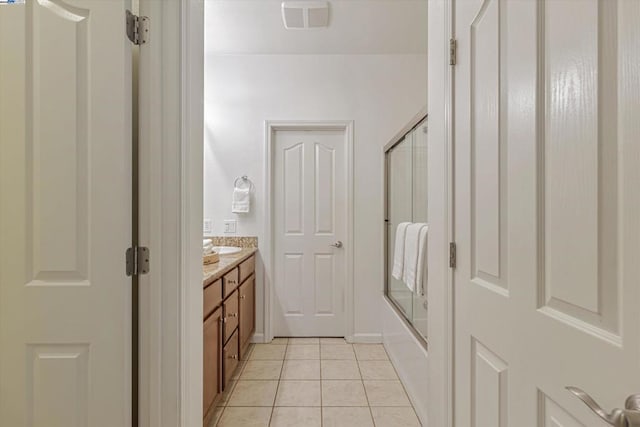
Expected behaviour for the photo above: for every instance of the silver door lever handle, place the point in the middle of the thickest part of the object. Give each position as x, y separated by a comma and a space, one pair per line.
337, 244
627, 417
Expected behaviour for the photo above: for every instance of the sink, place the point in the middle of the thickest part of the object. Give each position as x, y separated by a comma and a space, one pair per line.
226, 250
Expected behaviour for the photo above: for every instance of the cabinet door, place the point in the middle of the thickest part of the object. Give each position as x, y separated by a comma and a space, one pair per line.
247, 268
231, 358
231, 315
212, 358
230, 281
247, 312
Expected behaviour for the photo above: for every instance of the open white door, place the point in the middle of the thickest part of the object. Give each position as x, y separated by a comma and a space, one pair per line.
65, 214
547, 201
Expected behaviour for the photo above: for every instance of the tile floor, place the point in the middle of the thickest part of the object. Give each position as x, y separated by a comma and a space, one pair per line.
315, 382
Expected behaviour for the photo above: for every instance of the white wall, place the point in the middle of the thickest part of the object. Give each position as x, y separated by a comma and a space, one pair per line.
381, 93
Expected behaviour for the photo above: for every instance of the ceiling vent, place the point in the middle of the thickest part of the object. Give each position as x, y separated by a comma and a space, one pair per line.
300, 15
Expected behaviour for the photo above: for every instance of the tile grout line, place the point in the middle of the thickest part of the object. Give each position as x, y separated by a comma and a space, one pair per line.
235, 383
373, 421
321, 383
402, 384
273, 407
320, 359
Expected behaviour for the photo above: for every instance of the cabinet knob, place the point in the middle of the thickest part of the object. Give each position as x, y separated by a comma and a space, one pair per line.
233, 315
234, 356
242, 296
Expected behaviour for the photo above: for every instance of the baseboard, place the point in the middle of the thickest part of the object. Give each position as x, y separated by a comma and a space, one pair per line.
365, 339
257, 338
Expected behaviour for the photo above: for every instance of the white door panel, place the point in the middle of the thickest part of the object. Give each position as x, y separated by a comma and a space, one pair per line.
547, 157
65, 214
310, 206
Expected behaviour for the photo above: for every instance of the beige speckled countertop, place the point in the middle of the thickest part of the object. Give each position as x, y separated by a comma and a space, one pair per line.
213, 272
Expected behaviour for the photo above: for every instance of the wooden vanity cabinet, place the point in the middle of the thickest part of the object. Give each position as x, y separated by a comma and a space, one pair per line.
229, 312
230, 358
230, 281
247, 268
212, 297
212, 361
247, 296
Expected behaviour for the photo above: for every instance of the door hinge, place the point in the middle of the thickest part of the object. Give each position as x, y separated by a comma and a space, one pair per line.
453, 50
452, 255
137, 260
137, 28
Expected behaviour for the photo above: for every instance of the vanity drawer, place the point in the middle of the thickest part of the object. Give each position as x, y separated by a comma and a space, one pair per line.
230, 359
231, 309
230, 282
212, 297
247, 268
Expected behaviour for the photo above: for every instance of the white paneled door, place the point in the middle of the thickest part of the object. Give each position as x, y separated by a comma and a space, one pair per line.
309, 232
65, 214
547, 224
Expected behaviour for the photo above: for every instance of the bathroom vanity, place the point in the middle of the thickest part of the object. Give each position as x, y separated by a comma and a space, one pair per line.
229, 321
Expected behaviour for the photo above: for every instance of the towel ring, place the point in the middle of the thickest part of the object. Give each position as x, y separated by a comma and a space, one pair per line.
245, 179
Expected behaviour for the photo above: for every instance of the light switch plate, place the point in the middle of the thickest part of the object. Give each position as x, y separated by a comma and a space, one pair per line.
230, 225
207, 227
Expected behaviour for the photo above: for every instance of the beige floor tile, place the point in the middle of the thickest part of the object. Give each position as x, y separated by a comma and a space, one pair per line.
253, 393
296, 417
217, 413
395, 417
303, 352
370, 352
262, 370
339, 370
298, 393
268, 352
245, 417
377, 370
247, 354
386, 393
333, 341
279, 341
224, 396
346, 417
337, 352
343, 393
301, 370
299, 341
239, 369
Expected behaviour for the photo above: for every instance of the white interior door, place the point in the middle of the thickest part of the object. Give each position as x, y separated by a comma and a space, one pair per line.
309, 219
65, 214
547, 223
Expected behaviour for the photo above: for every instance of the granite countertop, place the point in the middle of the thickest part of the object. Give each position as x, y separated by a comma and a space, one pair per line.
213, 272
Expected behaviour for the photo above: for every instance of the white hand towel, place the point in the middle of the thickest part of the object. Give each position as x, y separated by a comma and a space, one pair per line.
398, 255
206, 242
411, 250
241, 202
422, 261
207, 248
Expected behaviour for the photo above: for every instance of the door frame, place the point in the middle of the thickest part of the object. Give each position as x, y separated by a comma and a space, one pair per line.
171, 144
440, 107
271, 127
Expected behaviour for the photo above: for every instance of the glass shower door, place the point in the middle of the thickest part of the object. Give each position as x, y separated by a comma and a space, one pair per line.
399, 209
407, 201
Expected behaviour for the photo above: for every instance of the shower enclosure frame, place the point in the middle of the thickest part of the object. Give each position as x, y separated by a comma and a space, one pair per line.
418, 119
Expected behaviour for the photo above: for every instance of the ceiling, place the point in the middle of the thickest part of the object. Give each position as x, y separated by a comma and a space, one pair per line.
355, 27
